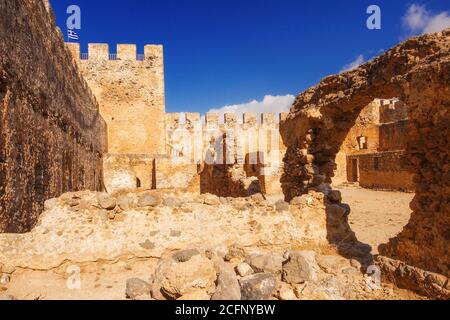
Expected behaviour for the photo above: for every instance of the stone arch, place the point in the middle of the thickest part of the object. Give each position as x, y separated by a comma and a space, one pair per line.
418, 73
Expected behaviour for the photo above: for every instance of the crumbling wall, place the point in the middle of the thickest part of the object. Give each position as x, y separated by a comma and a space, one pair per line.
382, 171
52, 136
418, 73
233, 158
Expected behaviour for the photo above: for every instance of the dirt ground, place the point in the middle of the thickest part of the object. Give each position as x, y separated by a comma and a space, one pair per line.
377, 216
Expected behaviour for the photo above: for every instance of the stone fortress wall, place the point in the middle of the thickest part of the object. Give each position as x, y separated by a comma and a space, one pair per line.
373, 150
52, 137
148, 148
130, 91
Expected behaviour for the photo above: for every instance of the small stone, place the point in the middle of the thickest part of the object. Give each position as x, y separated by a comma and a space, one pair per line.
300, 267
270, 263
8, 269
172, 202
74, 203
258, 286
111, 215
137, 289
5, 279
147, 200
185, 255
286, 294
281, 206
106, 202
243, 269
211, 200
235, 252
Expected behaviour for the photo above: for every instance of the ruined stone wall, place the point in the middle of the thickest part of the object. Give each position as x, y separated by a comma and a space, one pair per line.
381, 171
52, 136
227, 154
418, 73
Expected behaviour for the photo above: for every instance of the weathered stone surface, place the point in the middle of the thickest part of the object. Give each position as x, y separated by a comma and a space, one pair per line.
51, 133
257, 286
137, 289
281, 206
286, 294
174, 279
227, 284
5, 278
185, 255
235, 252
106, 202
300, 267
147, 200
332, 264
7, 268
243, 269
416, 71
125, 202
269, 263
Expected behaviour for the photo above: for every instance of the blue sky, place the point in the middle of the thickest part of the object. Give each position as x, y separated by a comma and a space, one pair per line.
220, 53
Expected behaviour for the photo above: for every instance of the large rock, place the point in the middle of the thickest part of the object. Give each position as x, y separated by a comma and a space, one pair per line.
137, 289
271, 263
227, 284
174, 279
125, 202
258, 286
300, 267
147, 200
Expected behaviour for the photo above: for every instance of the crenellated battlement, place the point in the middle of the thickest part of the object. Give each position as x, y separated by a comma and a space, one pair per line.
124, 52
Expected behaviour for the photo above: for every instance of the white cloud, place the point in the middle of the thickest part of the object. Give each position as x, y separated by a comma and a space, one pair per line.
419, 20
354, 64
274, 104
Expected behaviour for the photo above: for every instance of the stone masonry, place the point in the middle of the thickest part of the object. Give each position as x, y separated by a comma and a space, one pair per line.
52, 137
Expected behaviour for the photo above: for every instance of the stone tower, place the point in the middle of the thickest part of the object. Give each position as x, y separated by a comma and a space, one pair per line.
130, 91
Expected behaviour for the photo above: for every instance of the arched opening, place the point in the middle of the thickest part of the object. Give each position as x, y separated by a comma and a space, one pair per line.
418, 73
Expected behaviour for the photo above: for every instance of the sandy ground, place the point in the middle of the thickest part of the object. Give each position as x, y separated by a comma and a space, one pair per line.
377, 216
